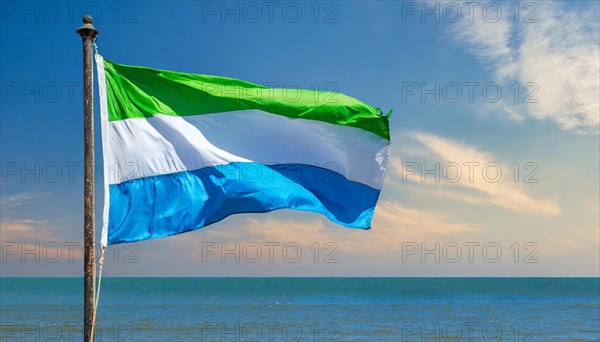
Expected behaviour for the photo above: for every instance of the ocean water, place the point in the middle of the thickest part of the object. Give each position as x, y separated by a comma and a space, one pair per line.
305, 309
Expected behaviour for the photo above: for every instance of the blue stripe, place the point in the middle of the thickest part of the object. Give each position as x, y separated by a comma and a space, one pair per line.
160, 206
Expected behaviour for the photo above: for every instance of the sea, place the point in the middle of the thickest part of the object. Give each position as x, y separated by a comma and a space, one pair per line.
305, 309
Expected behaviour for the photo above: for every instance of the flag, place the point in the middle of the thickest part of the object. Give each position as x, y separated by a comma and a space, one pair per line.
182, 151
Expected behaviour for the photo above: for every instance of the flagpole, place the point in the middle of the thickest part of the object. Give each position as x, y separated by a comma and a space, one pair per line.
88, 36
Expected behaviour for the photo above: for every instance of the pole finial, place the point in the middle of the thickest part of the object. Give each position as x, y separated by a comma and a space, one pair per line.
87, 30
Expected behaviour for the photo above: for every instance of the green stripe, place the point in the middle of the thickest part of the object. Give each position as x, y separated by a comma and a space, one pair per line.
138, 92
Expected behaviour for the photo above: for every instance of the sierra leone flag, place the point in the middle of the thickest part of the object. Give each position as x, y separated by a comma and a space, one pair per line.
182, 151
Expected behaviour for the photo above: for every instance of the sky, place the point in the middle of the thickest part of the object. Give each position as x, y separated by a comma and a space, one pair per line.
495, 150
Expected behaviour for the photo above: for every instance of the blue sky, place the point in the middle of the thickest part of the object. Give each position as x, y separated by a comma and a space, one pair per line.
414, 57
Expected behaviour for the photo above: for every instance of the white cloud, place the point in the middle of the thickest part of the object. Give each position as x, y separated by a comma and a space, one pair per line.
561, 54
487, 39
20, 198
553, 52
471, 184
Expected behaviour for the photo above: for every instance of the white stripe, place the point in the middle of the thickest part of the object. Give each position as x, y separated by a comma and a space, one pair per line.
105, 144
165, 144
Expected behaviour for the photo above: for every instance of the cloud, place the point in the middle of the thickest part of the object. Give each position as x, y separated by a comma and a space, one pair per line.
35, 240
551, 50
392, 224
26, 230
20, 198
561, 247
487, 39
470, 184
561, 54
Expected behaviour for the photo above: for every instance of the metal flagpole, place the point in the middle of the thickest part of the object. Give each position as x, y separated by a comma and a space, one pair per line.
88, 35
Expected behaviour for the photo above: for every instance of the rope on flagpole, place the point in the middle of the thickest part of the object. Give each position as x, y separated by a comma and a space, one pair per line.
100, 264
